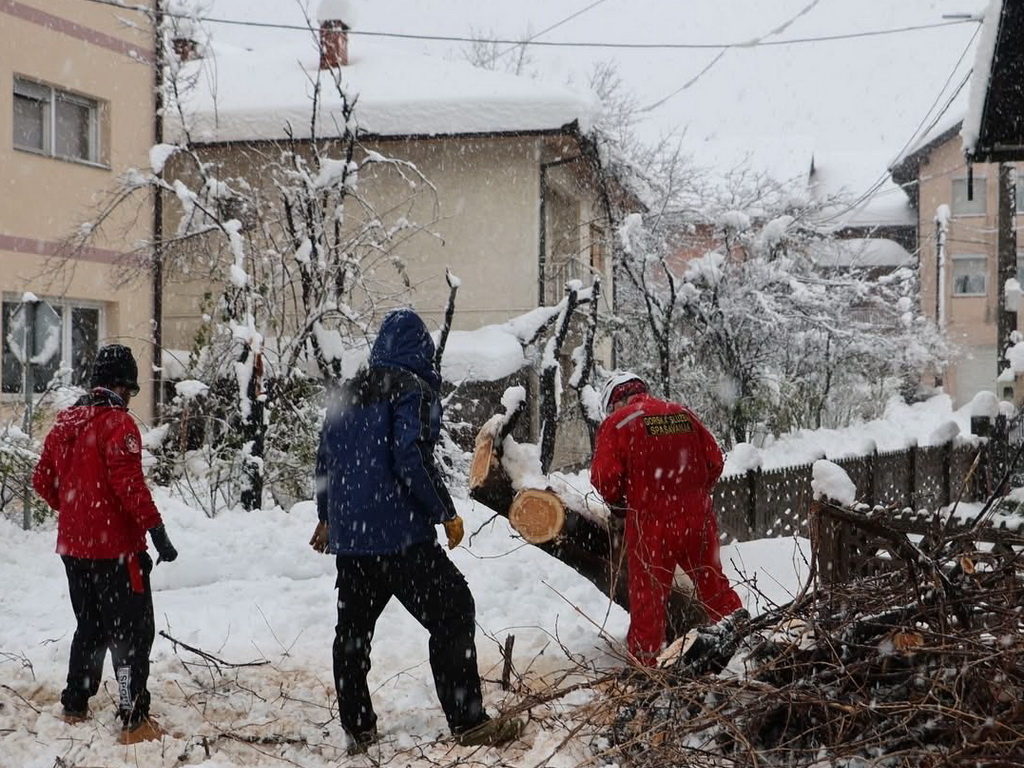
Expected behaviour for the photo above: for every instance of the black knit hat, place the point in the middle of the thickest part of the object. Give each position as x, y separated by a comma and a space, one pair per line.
115, 366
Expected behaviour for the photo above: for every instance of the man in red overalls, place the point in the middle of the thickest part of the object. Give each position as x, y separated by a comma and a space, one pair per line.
91, 473
657, 462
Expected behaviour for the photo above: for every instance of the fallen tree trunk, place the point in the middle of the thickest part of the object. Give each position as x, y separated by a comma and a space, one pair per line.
588, 545
538, 516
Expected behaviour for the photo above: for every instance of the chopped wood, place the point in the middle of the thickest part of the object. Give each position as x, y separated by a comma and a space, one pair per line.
485, 460
918, 664
537, 515
489, 483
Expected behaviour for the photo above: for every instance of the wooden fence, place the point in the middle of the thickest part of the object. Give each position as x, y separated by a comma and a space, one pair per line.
764, 504
852, 544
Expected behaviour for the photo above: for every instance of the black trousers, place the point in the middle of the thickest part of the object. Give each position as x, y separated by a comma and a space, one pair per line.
435, 592
110, 614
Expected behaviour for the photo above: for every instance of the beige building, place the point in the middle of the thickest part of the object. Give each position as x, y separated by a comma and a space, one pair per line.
935, 175
482, 173
79, 113
507, 193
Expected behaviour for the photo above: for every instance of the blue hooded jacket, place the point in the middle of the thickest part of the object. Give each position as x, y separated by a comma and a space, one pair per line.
377, 484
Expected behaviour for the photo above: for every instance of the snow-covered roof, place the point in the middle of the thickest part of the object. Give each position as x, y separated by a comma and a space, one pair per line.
260, 93
862, 252
982, 73
867, 197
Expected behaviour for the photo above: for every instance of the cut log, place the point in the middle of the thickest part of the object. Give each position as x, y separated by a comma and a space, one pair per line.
538, 516
485, 460
488, 482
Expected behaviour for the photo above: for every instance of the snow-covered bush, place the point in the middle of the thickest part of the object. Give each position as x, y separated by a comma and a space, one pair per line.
19, 455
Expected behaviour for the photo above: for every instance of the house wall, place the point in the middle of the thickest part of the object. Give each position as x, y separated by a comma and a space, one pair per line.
82, 48
485, 228
970, 320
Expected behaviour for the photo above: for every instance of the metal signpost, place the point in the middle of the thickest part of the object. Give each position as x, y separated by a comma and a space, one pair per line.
26, 339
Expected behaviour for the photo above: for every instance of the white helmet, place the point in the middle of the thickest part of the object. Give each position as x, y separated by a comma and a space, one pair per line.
613, 382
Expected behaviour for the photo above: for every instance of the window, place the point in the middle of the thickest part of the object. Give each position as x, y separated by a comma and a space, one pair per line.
1020, 190
67, 335
1020, 268
964, 207
55, 123
970, 275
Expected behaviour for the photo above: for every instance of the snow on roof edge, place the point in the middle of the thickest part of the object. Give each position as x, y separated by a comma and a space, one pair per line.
984, 56
252, 95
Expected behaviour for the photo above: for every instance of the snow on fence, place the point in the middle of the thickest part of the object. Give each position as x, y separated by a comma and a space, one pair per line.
771, 503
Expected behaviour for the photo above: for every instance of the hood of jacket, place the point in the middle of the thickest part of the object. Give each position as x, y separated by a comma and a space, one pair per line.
405, 342
71, 422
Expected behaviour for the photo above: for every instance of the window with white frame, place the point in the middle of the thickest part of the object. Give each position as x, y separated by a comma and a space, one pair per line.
55, 123
976, 205
67, 335
970, 275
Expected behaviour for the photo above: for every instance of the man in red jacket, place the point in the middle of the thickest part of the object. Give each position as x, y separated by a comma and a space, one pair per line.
656, 463
91, 474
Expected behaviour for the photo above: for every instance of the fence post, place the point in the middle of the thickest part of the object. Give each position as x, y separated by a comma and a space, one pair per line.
753, 484
1002, 446
982, 427
869, 462
947, 474
830, 549
912, 485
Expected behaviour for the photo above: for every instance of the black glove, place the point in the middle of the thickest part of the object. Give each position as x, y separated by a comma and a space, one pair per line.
163, 545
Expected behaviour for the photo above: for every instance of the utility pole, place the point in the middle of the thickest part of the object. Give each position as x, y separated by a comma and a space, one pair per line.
30, 307
1006, 261
157, 275
941, 231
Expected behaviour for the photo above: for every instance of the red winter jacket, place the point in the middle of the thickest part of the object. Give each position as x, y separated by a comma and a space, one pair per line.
655, 457
91, 473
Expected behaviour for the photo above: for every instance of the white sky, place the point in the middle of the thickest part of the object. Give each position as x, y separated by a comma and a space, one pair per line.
859, 101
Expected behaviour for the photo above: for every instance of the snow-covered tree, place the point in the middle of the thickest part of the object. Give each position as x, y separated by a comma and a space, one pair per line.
754, 325
295, 262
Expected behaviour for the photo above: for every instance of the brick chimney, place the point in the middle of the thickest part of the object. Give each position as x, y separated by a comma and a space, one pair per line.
333, 43
185, 48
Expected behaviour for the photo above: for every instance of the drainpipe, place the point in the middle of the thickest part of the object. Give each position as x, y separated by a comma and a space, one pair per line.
543, 235
158, 218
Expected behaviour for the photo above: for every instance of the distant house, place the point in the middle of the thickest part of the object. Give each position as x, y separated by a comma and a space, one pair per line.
519, 205
952, 178
80, 81
935, 175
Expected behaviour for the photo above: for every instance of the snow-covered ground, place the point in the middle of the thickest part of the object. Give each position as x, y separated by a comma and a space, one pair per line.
248, 590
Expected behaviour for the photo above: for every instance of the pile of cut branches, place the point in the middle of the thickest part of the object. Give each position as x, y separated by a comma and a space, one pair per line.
919, 664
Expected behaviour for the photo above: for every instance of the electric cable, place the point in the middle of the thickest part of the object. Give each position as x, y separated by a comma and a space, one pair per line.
553, 44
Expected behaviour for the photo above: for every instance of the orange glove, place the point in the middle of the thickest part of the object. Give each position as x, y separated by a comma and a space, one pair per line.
455, 530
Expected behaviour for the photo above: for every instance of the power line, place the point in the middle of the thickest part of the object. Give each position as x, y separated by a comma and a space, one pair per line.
554, 44
880, 181
774, 31
544, 31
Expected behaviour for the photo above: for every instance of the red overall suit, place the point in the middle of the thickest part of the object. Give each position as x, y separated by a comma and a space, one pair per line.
657, 459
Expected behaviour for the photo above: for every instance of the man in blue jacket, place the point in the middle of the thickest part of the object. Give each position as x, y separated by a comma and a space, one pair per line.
379, 498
